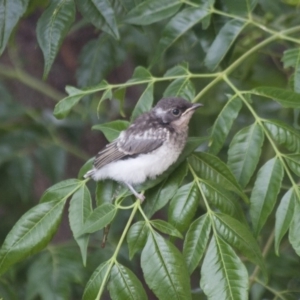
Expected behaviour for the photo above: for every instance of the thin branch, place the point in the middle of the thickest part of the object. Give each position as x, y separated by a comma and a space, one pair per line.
31, 82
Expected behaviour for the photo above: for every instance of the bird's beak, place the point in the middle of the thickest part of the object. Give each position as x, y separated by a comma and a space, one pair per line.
192, 108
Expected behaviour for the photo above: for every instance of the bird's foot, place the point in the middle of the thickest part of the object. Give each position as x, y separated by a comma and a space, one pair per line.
135, 193
141, 197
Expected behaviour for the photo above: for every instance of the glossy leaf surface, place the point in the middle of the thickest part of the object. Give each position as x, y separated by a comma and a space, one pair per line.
223, 275
223, 124
286, 98
63, 189
164, 269
137, 237
284, 216
145, 102
196, 241
124, 285
222, 43
32, 232
98, 279
166, 228
294, 236
159, 196
242, 158
177, 26
99, 218
10, 13
183, 206
101, 14
264, 193
79, 210
112, 129
284, 134
52, 27
152, 11
210, 167
239, 236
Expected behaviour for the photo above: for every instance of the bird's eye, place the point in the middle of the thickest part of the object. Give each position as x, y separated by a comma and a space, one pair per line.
175, 111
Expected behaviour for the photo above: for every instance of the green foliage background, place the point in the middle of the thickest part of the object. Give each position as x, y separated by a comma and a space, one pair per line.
224, 221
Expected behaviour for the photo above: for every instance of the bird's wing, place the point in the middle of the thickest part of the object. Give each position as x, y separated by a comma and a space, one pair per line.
129, 144
109, 154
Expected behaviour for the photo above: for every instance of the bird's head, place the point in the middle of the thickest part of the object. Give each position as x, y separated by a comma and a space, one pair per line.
175, 111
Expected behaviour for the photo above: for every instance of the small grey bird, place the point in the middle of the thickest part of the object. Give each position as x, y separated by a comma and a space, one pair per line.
148, 147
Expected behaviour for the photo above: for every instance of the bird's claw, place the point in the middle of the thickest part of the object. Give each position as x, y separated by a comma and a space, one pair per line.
141, 197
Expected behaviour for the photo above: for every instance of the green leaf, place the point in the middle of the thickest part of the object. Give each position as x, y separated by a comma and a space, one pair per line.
159, 196
264, 193
291, 58
72, 91
111, 130
239, 236
182, 69
294, 236
106, 191
64, 106
164, 269
124, 285
98, 219
140, 74
98, 279
88, 165
293, 160
101, 14
52, 27
284, 97
52, 161
284, 216
119, 94
181, 87
223, 275
166, 228
152, 11
137, 237
97, 58
63, 189
210, 167
240, 7
224, 123
178, 26
196, 241
53, 273
22, 167
79, 210
222, 199
284, 134
145, 102
242, 160
11, 12
106, 95
183, 206
32, 232
222, 43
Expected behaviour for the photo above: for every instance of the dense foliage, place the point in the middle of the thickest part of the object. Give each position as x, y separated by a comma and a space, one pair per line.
221, 223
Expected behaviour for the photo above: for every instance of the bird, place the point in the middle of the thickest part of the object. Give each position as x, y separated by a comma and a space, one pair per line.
148, 147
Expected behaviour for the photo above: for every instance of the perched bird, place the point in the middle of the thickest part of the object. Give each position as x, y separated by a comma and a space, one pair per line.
148, 147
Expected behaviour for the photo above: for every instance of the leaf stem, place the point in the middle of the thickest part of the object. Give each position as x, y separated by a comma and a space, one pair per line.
31, 82
276, 293
113, 259
264, 254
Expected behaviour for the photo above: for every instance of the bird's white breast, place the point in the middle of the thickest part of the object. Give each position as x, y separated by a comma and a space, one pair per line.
136, 170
